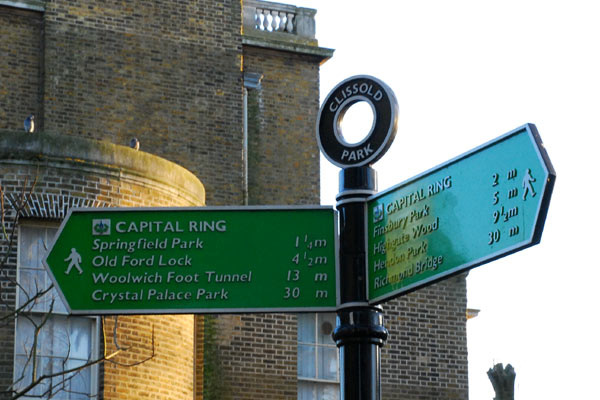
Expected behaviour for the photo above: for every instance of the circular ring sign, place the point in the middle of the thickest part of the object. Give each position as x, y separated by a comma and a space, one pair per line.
329, 133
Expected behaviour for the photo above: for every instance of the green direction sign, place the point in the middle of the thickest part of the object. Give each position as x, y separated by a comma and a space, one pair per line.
485, 204
196, 260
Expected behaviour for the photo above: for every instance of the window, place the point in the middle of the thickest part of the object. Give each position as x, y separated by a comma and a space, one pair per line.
318, 358
63, 342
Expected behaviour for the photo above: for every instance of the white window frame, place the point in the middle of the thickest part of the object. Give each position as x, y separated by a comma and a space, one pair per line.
59, 311
316, 346
35, 5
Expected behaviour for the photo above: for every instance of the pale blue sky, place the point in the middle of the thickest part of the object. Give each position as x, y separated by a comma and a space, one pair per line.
465, 72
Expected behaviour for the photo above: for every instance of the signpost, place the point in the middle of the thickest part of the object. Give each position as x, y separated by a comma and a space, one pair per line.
360, 333
196, 260
485, 204
473, 209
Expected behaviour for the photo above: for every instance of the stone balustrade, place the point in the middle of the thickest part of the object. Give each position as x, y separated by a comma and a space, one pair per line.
276, 18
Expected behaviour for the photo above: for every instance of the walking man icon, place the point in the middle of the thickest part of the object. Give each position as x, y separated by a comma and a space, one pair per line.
75, 259
527, 179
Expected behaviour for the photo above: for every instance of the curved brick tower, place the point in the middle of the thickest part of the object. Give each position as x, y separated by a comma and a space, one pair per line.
61, 172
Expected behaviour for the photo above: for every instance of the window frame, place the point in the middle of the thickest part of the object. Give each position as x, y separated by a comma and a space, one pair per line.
95, 329
316, 346
34, 5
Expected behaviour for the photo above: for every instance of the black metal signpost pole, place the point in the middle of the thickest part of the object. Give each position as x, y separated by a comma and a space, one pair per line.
360, 332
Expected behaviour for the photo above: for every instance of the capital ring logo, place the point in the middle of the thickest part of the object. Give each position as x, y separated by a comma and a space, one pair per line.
101, 227
378, 213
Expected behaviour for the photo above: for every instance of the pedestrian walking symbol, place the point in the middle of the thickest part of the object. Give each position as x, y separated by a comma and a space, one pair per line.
74, 261
528, 188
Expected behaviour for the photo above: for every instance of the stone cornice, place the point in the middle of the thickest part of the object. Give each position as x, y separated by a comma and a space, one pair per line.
80, 153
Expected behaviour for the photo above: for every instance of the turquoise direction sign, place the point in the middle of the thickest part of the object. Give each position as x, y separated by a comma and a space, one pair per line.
200, 260
485, 204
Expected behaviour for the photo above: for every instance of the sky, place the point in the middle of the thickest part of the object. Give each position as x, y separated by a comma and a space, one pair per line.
465, 72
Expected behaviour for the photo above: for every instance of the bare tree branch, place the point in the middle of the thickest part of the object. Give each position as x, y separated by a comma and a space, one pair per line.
65, 374
120, 348
10, 237
115, 337
27, 306
31, 381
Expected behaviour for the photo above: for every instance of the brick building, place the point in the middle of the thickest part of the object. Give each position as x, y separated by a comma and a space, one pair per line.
223, 96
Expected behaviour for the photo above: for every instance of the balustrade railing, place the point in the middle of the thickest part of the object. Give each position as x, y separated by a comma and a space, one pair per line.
270, 17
